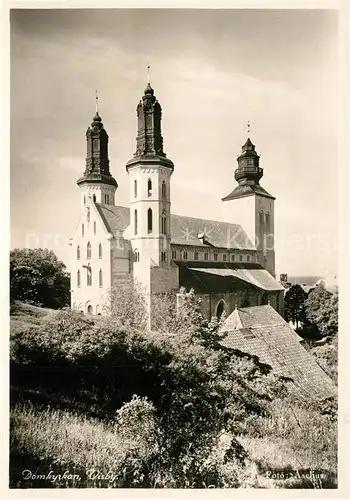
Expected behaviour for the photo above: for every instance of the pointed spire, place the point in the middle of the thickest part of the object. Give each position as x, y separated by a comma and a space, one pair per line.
149, 140
96, 101
149, 73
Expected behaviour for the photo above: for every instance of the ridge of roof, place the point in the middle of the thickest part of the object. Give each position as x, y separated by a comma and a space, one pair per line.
185, 230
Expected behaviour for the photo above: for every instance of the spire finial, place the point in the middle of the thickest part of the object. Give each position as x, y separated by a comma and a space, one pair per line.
248, 128
148, 72
96, 100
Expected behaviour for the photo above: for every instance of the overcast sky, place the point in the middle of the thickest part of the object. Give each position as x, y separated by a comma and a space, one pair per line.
212, 71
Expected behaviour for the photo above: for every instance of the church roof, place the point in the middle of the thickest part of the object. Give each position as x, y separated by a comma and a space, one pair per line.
243, 190
115, 218
217, 277
184, 230
261, 331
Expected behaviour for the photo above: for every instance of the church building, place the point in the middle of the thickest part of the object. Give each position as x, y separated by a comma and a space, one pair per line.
229, 263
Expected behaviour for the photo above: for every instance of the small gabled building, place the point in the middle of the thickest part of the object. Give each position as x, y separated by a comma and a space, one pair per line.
261, 332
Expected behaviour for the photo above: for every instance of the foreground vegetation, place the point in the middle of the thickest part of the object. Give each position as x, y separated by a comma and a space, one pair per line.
106, 403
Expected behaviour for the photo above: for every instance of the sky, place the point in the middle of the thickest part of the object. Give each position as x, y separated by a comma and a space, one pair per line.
212, 71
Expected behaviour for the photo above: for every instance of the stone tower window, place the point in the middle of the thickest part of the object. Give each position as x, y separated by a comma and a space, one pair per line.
163, 256
94, 227
149, 187
88, 214
78, 252
224, 257
100, 278
184, 255
163, 190
82, 229
233, 257
94, 198
78, 278
206, 256
195, 255
149, 220
135, 221
100, 251
84, 199
88, 250
136, 256
267, 222
135, 188
163, 231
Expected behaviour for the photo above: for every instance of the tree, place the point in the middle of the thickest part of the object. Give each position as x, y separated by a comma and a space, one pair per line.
322, 310
294, 305
39, 278
127, 306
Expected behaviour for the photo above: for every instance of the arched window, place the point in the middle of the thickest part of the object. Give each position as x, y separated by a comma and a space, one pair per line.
163, 224
89, 309
94, 198
135, 221
82, 229
220, 309
84, 199
94, 227
245, 302
89, 276
88, 250
78, 278
149, 187
88, 214
78, 252
100, 278
163, 256
136, 256
100, 251
149, 220
135, 188
163, 190
264, 299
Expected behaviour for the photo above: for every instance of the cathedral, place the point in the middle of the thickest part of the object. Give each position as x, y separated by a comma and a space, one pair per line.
229, 264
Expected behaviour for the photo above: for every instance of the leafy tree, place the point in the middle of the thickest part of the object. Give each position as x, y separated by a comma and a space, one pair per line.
39, 278
322, 310
294, 305
126, 305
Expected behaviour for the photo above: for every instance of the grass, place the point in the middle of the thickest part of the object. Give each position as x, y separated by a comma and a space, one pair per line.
66, 441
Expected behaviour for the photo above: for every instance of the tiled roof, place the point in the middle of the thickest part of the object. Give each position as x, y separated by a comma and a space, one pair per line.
116, 219
246, 190
261, 331
184, 230
217, 277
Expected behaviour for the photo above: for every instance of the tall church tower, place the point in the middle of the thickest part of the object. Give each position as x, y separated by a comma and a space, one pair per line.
97, 182
251, 206
149, 174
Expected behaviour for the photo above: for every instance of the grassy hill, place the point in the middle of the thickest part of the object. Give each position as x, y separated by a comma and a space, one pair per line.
65, 402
